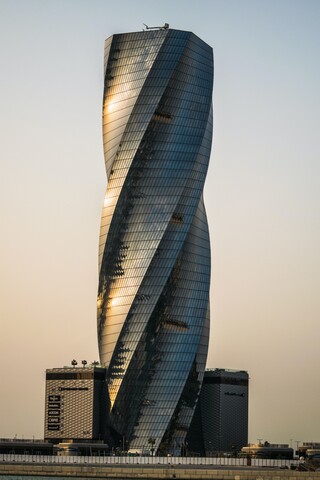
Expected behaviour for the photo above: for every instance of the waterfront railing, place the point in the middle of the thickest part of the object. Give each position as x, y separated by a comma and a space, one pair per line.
127, 460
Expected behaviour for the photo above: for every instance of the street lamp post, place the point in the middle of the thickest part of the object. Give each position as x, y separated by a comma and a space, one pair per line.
297, 444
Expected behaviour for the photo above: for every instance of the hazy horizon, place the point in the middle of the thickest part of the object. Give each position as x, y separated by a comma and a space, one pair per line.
262, 197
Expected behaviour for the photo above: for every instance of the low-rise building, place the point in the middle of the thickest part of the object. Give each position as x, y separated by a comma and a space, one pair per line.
268, 450
75, 403
21, 446
220, 422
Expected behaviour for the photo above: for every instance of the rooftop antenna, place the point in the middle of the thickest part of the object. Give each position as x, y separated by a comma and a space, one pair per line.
164, 27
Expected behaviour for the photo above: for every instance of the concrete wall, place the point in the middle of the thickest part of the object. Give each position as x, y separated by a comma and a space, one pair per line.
123, 472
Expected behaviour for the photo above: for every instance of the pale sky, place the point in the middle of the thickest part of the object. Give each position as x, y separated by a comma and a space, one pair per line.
262, 196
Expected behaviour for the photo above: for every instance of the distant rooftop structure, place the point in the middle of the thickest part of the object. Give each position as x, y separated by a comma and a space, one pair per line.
164, 27
74, 364
269, 445
23, 440
225, 370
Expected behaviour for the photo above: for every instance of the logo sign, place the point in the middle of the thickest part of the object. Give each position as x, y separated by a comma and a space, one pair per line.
53, 413
54, 398
53, 420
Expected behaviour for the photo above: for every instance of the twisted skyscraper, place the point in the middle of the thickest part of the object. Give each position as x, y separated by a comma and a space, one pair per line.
153, 299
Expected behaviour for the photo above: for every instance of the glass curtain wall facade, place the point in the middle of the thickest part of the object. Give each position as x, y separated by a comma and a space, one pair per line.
154, 258
220, 422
